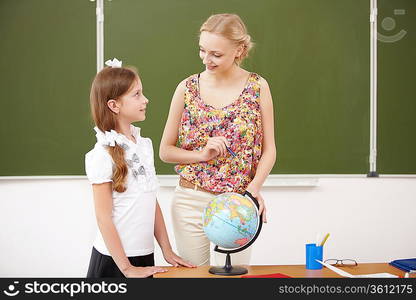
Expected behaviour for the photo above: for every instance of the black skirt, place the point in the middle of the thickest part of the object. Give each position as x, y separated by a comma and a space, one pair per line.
103, 266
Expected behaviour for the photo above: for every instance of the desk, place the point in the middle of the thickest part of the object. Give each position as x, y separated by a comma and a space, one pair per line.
298, 271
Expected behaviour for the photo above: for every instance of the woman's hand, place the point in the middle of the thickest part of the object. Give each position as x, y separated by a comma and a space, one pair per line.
142, 272
255, 191
176, 260
216, 146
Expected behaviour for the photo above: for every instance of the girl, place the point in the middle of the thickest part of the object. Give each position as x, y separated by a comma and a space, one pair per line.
224, 117
121, 171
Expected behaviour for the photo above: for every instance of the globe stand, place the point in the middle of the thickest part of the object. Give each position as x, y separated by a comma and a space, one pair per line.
228, 269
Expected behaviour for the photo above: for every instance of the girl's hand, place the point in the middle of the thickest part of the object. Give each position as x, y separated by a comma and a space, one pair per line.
215, 146
176, 260
142, 272
255, 191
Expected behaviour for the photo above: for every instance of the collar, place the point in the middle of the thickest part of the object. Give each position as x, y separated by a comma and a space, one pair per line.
110, 138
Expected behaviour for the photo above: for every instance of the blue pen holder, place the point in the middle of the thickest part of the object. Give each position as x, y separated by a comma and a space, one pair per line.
314, 252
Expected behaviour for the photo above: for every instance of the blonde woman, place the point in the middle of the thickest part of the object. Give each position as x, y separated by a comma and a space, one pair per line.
219, 133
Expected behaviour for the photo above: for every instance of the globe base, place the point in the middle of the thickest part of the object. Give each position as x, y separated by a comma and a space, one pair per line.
230, 271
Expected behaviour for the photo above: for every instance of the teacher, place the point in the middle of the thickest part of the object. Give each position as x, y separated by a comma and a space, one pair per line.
219, 133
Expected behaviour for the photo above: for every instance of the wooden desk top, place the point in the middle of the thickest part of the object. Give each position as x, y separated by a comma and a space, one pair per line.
296, 271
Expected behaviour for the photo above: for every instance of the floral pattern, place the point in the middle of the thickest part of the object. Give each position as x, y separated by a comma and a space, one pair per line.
239, 122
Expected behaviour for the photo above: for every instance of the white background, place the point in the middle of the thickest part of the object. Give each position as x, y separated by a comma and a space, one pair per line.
48, 225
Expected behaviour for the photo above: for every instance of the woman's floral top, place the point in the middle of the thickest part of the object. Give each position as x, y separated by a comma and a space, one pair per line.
239, 122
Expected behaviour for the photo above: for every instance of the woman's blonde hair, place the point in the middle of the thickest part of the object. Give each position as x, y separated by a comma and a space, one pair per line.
111, 83
231, 27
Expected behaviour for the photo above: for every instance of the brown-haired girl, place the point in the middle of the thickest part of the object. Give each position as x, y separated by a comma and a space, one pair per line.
219, 133
122, 173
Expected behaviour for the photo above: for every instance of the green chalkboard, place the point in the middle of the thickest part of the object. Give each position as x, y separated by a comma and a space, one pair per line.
396, 87
47, 62
314, 54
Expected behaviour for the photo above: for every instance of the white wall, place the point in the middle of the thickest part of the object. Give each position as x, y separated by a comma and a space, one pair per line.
47, 226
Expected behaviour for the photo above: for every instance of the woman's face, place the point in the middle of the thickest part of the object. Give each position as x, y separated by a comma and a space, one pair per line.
217, 52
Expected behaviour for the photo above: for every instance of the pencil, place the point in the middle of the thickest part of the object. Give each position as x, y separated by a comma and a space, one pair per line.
231, 151
325, 238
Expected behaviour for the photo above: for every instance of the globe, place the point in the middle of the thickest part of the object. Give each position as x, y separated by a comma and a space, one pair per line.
231, 221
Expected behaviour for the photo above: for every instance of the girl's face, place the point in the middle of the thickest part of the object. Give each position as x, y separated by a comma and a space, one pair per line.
132, 105
217, 52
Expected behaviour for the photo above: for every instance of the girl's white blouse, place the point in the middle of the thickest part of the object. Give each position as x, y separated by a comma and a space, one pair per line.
134, 209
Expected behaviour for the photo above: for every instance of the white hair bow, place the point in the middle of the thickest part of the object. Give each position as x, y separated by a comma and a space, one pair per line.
114, 63
108, 138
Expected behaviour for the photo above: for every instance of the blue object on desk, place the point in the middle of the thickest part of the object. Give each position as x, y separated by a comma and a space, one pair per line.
314, 253
406, 265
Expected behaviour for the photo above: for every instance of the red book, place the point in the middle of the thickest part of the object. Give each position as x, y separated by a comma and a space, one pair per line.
274, 275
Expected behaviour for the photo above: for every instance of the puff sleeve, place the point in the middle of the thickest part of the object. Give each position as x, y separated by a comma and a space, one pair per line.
99, 165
